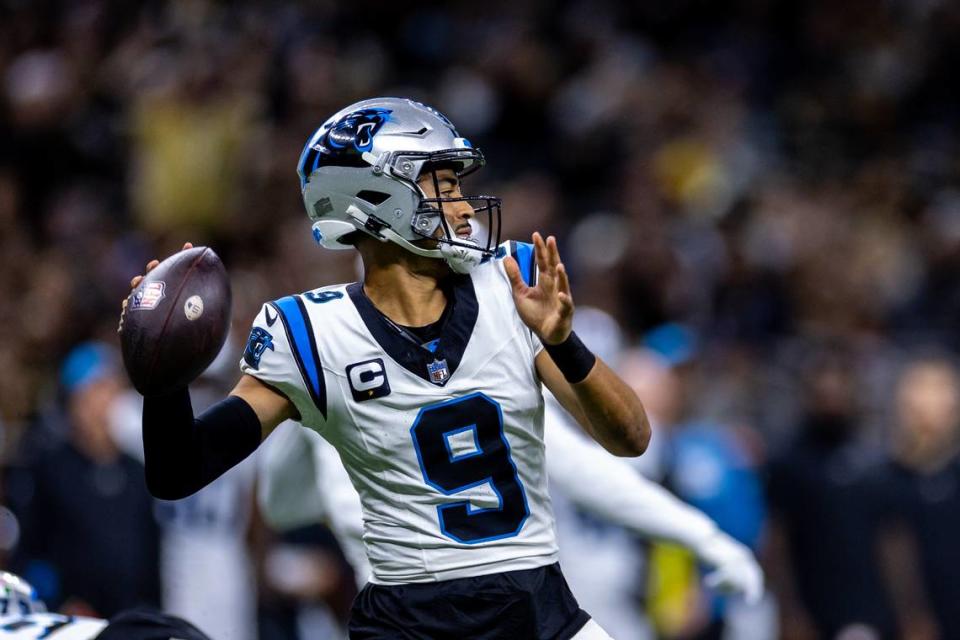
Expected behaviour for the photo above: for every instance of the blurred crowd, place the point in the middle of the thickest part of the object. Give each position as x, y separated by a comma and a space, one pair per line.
764, 197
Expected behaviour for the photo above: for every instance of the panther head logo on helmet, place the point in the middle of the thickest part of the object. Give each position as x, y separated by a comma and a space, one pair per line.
350, 135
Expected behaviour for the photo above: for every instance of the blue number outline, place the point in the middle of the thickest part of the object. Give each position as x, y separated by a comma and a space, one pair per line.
478, 450
488, 480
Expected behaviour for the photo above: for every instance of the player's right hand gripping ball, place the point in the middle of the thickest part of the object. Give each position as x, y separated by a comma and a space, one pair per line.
176, 321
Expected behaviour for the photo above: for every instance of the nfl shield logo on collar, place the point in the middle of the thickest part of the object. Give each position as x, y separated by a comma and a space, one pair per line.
438, 371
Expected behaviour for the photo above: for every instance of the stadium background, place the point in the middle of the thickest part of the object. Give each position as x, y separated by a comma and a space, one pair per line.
764, 195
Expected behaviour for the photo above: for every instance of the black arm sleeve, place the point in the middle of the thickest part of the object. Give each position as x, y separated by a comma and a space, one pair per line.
182, 454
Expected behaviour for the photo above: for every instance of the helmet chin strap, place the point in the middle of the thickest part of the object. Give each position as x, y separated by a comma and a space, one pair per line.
460, 259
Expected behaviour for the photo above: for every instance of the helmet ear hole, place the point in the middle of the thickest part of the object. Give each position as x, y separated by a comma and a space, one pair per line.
375, 198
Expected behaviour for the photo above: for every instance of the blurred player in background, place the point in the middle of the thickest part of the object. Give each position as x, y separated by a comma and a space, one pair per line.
826, 485
708, 463
205, 565
24, 617
926, 485
426, 377
89, 540
605, 561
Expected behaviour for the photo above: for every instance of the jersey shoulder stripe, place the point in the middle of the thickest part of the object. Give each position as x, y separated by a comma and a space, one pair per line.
303, 344
524, 254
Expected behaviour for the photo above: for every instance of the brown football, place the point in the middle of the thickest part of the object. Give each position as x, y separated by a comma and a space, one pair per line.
176, 321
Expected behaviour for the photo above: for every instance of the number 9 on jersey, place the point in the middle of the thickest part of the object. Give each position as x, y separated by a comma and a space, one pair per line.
488, 462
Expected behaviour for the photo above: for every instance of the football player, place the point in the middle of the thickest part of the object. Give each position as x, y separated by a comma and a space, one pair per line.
426, 377
24, 617
302, 482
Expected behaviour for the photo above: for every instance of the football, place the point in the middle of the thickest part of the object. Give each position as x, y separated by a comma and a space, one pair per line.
176, 321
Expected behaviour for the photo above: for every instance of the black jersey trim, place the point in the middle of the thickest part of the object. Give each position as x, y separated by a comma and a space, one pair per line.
303, 345
455, 331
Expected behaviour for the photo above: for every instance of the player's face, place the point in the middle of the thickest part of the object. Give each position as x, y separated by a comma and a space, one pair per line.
457, 214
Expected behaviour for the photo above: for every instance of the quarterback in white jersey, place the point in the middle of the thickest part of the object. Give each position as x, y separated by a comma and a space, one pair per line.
439, 469
426, 377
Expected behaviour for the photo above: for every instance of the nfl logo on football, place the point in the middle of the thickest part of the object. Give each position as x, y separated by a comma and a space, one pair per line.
438, 371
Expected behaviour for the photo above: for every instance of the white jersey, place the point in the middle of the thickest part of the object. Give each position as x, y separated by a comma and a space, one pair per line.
34, 626
443, 442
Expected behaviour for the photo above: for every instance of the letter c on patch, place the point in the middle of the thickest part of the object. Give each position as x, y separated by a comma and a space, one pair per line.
368, 380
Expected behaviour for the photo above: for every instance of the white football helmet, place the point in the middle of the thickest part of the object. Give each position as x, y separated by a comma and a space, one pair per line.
359, 172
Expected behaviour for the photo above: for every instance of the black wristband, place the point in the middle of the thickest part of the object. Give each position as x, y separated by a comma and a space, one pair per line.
182, 454
572, 357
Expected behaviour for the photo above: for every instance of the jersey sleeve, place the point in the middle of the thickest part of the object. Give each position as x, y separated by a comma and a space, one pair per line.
281, 352
537, 344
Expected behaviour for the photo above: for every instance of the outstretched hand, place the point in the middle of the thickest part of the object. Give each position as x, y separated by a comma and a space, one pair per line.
735, 570
136, 280
547, 307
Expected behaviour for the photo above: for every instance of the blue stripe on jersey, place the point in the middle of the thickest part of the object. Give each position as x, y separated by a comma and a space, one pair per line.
523, 253
303, 344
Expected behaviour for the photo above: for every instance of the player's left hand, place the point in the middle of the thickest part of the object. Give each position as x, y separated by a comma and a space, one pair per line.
547, 307
735, 570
